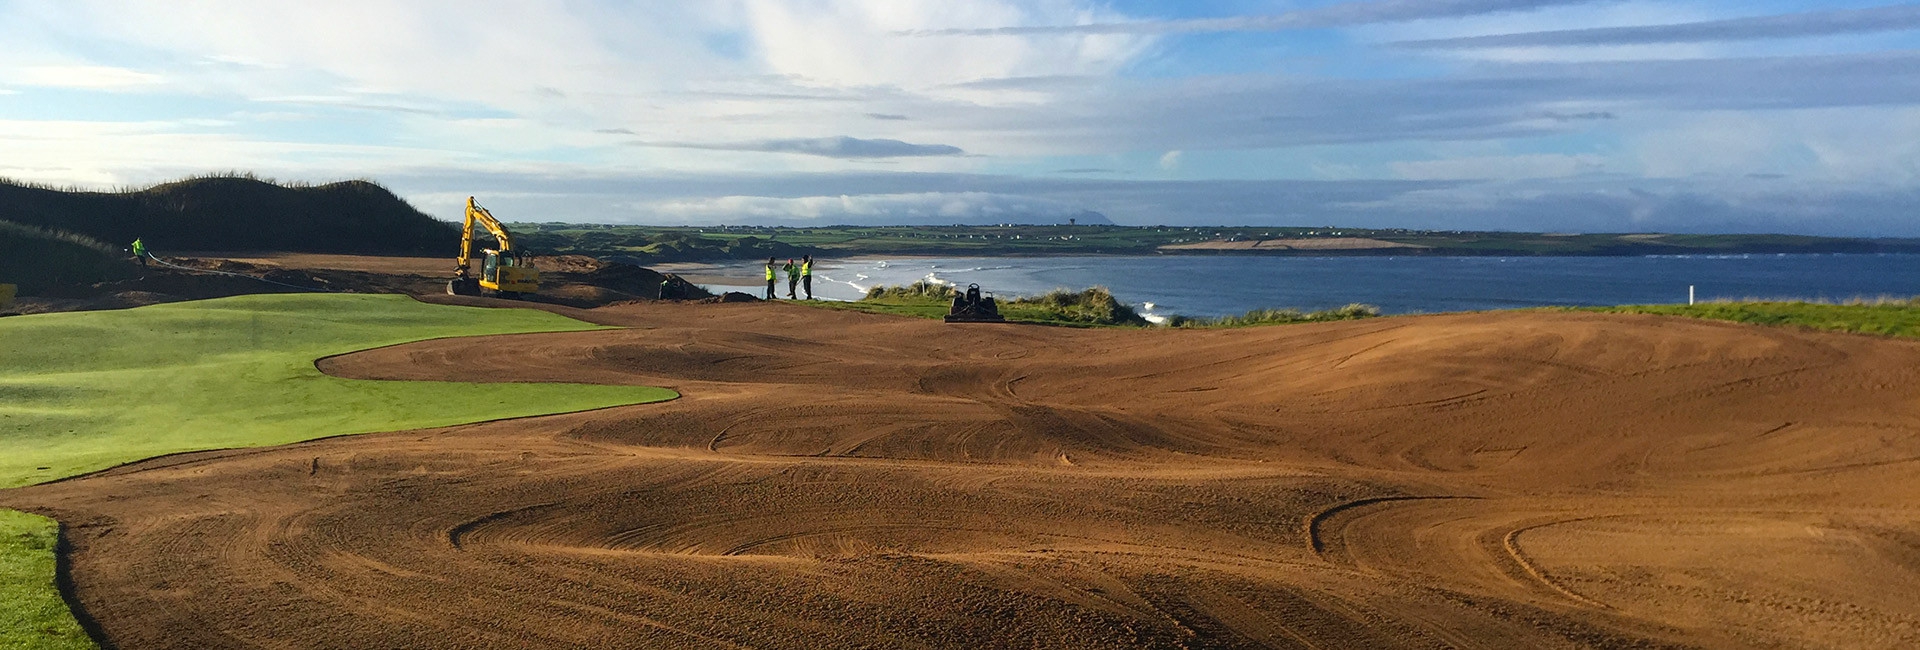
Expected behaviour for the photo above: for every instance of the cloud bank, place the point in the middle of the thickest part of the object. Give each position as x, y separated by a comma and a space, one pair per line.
838, 147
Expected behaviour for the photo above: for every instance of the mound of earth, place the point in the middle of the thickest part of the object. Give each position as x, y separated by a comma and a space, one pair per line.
838, 479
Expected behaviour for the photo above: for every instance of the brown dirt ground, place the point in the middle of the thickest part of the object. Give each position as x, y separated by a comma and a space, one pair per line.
836, 479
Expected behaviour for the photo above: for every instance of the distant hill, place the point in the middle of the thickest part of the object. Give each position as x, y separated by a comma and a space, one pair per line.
235, 213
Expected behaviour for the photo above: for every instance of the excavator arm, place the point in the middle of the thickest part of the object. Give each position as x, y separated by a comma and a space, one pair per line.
480, 215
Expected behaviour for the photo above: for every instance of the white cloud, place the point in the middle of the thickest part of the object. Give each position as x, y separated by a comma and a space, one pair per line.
854, 43
97, 77
1170, 160
1877, 144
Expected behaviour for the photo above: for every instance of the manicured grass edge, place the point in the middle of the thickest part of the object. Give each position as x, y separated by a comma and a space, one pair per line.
36, 587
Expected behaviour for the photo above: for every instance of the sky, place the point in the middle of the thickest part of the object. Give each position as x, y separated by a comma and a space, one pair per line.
1533, 115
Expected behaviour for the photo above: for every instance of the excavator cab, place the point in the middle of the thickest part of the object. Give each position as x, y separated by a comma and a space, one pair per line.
507, 272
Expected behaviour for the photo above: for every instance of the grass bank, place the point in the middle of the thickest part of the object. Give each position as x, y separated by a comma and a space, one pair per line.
83, 391
1884, 317
32, 614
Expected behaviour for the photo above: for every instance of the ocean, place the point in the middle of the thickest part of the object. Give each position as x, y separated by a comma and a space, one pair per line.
1231, 284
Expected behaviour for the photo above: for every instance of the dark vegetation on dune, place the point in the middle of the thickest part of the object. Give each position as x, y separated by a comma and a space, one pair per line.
1352, 311
234, 212
38, 259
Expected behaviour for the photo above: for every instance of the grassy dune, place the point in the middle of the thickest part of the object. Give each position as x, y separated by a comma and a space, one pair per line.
38, 259
84, 391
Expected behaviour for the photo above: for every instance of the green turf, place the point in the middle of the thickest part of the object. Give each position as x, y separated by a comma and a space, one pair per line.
84, 391
32, 615
1891, 318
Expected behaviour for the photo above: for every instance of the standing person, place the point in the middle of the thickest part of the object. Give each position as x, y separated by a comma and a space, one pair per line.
140, 251
806, 275
770, 278
793, 277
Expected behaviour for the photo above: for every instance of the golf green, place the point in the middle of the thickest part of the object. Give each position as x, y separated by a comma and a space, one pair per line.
83, 391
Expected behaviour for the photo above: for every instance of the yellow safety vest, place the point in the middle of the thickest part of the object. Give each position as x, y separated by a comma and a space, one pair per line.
806, 269
769, 272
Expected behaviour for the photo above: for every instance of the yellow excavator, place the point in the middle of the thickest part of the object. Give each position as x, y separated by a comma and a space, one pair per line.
504, 273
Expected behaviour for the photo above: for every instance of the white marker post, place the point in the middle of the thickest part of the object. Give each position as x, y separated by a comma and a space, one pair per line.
1689, 294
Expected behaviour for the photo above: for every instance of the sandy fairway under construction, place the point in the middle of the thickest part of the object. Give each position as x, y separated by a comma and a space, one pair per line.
835, 479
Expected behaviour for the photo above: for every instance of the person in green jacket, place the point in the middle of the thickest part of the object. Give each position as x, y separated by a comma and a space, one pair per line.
793, 277
806, 275
770, 278
140, 251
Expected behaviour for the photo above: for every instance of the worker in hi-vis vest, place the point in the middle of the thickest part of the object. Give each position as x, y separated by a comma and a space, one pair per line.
793, 277
806, 275
140, 250
769, 278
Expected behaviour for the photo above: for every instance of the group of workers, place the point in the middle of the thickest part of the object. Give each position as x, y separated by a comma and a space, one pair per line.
800, 274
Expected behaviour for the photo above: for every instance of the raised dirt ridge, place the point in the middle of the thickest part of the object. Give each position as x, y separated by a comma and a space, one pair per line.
836, 479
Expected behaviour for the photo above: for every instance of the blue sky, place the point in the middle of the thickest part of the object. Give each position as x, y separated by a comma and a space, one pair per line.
1549, 115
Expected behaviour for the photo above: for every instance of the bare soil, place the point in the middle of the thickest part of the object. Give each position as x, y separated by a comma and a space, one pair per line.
838, 479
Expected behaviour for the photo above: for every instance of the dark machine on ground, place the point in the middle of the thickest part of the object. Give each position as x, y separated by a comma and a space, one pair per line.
971, 306
504, 273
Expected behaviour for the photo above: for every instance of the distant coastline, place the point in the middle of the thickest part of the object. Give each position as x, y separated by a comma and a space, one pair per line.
658, 245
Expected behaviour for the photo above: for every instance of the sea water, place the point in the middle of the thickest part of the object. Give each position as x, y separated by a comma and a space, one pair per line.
1231, 284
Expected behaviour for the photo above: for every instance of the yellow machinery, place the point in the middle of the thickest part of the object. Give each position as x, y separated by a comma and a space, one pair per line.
504, 273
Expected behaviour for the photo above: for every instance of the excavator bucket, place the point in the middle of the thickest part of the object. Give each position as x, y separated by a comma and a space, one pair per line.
971, 306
